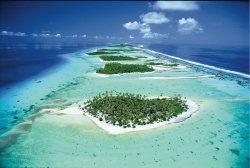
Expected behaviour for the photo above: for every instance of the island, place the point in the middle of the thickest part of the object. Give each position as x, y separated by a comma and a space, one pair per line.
129, 110
161, 63
118, 113
122, 45
117, 68
119, 50
100, 52
117, 58
113, 51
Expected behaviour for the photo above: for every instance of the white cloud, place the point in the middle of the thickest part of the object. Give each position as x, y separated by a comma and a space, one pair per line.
84, 35
154, 35
142, 27
131, 37
98, 37
20, 34
58, 35
189, 25
145, 29
110, 37
154, 17
175, 5
6, 33
74, 35
34, 34
44, 35
132, 25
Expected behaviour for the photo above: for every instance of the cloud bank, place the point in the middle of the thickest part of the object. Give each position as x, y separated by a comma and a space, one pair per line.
6, 33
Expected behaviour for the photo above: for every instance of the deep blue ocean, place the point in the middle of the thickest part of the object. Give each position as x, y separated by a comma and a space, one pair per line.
234, 58
22, 60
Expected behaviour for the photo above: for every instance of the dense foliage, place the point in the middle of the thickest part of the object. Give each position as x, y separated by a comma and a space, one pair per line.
98, 52
154, 63
117, 58
123, 45
111, 51
116, 68
160, 63
171, 65
141, 57
151, 60
118, 50
129, 110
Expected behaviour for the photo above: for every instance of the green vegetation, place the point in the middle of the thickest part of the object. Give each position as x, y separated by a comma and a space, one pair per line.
154, 63
151, 60
117, 50
111, 51
116, 68
141, 57
123, 45
160, 63
98, 52
129, 110
171, 65
117, 58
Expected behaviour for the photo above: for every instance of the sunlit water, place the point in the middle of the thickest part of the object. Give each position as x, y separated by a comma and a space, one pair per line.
216, 136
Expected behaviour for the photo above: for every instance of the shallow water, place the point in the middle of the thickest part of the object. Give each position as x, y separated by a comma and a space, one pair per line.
216, 136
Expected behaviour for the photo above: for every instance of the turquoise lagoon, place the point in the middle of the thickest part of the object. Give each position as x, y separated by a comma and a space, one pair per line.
215, 136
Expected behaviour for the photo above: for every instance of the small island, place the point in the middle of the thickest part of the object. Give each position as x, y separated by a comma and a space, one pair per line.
113, 51
122, 45
130, 110
163, 64
116, 68
119, 50
117, 58
101, 52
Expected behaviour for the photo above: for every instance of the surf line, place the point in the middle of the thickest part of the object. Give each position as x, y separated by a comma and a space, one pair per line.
200, 64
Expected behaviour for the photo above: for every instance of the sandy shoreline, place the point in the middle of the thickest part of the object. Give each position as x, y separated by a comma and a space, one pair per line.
180, 77
162, 67
113, 129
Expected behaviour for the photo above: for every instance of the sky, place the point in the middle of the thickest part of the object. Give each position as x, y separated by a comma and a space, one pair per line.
197, 22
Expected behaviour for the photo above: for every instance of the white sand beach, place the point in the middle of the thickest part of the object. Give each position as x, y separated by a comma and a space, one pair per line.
114, 129
162, 67
179, 77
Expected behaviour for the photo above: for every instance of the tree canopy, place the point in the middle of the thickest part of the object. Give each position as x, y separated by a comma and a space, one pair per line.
117, 58
116, 68
129, 110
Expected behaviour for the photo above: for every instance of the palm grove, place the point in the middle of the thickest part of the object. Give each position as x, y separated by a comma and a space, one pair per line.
129, 110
